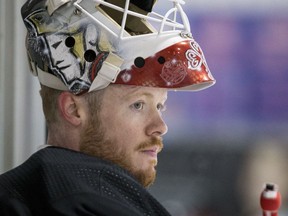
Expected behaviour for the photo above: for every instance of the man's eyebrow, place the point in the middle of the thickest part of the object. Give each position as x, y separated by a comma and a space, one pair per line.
145, 94
137, 91
138, 94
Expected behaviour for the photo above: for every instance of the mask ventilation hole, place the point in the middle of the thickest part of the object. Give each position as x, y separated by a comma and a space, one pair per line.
161, 60
90, 55
70, 42
139, 62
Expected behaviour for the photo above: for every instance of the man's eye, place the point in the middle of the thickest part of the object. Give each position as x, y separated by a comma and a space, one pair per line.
138, 105
161, 107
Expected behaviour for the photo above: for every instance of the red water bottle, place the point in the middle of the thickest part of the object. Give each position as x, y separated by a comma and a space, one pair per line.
270, 200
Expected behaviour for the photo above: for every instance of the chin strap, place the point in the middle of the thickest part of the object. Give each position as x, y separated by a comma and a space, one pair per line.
106, 75
46, 78
108, 72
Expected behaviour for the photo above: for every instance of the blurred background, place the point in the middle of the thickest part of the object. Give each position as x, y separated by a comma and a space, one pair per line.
224, 143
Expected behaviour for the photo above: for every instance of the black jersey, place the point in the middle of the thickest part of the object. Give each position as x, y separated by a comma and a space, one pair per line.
56, 181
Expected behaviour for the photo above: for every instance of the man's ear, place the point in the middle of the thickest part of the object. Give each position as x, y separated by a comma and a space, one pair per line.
70, 108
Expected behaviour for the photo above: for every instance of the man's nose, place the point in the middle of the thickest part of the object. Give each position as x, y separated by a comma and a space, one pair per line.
157, 126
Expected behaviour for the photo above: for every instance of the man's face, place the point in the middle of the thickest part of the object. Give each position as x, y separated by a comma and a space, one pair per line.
128, 129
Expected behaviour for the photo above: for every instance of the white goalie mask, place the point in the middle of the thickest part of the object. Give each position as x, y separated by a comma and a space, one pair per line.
85, 45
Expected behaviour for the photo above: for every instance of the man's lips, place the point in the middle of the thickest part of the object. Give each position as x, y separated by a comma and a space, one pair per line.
152, 151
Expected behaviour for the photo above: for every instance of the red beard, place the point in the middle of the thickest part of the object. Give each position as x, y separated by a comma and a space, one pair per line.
93, 142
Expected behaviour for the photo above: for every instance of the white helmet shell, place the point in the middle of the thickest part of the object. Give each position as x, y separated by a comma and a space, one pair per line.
85, 45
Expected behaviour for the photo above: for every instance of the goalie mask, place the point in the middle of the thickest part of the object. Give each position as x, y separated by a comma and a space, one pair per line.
85, 45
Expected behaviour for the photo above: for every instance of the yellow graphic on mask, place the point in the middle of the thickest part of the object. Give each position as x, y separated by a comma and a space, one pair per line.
39, 21
78, 48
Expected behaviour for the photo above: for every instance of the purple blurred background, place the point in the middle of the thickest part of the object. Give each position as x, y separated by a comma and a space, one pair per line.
248, 56
225, 142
